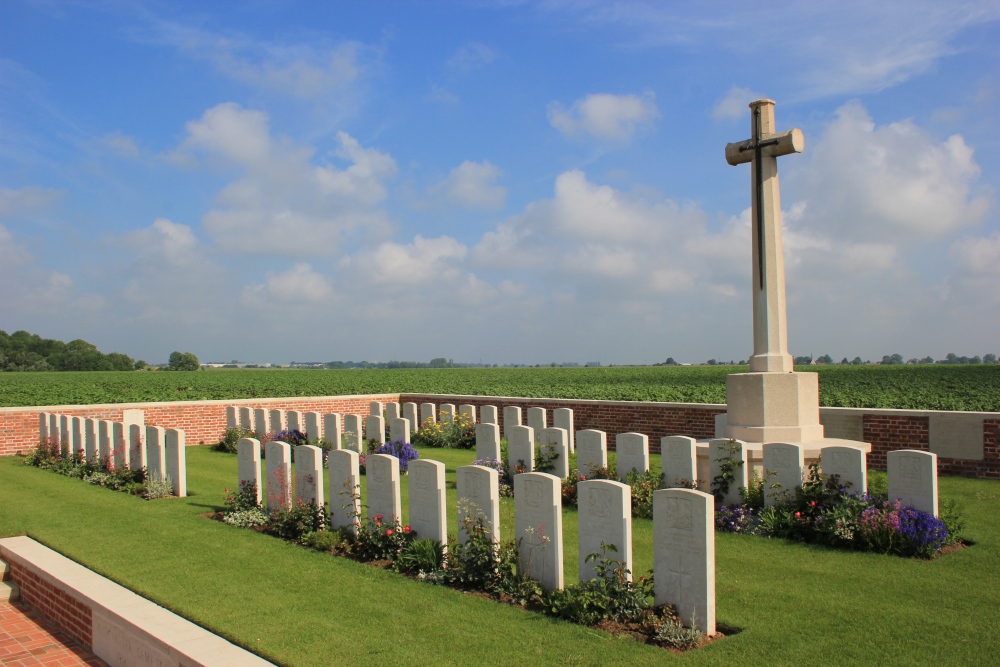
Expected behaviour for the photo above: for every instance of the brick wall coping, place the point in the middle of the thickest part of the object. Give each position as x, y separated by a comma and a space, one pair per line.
127, 629
214, 401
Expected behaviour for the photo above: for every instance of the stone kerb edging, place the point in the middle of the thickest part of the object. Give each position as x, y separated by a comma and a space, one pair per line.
125, 629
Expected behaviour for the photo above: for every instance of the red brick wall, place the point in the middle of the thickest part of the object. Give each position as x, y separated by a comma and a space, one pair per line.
202, 422
67, 613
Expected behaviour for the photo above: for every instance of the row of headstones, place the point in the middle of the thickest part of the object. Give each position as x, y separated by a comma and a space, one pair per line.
683, 520
161, 451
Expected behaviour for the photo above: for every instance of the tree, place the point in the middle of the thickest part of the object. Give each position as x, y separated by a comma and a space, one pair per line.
183, 361
989, 358
670, 362
825, 359
892, 360
856, 361
845, 362
927, 360
140, 365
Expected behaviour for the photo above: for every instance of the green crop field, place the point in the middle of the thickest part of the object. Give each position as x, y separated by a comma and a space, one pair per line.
937, 387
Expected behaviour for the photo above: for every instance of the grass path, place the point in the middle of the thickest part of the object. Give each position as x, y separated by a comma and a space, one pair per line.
796, 604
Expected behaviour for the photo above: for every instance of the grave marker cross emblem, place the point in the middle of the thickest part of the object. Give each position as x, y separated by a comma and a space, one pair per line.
770, 331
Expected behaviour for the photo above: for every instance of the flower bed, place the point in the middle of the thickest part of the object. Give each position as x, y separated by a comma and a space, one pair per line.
99, 471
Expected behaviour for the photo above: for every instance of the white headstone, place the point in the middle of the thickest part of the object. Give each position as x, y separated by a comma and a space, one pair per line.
447, 412
309, 475
591, 451
554, 443
632, 451
232, 418
511, 417
383, 486
479, 486
719, 448
333, 429
76, 435
105, 433
54, 432
119, 443
277, 420
679, 460
43, 427
538, 526
536, 419
913, 479
345, 492
428, 511
784, 466
246, 418
563, 418
411, 413
399, 430
487, 442
375, 409
354, 433
156, 453
684, 555
136, 446
428, 411
375, 430
248, 464
279, 474
176, 454
313, 431
261, 421
469, 411
721, 425
521, 447
488, 415
90, 438
391, 411
605, 515
848, 464
294, 421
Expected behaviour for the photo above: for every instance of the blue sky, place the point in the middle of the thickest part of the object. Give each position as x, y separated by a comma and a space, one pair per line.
504, 181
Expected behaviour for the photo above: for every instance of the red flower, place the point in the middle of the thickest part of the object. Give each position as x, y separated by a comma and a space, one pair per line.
798, 514
378, 517
812, 503
388, 531
406, 529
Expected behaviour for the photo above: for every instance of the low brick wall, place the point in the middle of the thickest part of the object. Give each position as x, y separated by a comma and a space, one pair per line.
110, 621
65, 612
967, 443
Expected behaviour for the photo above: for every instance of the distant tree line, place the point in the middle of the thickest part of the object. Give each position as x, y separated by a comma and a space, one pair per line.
897, 359
23, 351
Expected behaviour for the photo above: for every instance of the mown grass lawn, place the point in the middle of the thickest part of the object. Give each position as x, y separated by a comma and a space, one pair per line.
794, 604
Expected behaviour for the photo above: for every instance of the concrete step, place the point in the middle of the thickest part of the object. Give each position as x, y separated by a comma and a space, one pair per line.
9, 591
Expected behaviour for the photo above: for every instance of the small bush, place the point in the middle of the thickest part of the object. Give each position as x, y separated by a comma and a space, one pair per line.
424, 555
403, 451
643, 485
611, 595
155, 488
231, 438
323, 540
297, 521
381, 539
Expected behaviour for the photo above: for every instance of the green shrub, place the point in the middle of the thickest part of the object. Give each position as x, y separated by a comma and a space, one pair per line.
154, 488
611, 595
323, 540
643, 485
424, 555
297, 521
231, 438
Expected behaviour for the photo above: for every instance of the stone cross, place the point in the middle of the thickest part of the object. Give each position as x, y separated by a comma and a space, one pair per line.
770, 329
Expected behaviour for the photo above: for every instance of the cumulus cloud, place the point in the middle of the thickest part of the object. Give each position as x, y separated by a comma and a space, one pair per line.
284, 202
882, 182
416, 263
605, 116
299, 283
735, 104
978, 255
473, 185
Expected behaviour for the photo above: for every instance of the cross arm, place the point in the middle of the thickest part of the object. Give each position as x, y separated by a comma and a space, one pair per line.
774, 145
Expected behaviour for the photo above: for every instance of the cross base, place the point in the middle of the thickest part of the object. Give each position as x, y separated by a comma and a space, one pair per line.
773, 407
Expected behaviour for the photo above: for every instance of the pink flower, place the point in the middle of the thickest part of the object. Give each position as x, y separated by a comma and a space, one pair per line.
812, 503
406, 529
798, 514
388, 531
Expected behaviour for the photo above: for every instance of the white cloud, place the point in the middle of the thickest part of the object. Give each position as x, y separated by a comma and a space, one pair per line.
300, 69
471, 56
416, 263
27, 200
978, 255
297, 284
472, 184
285, 203
438, 95
121, 144
735, 104
605, 116
882, 182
